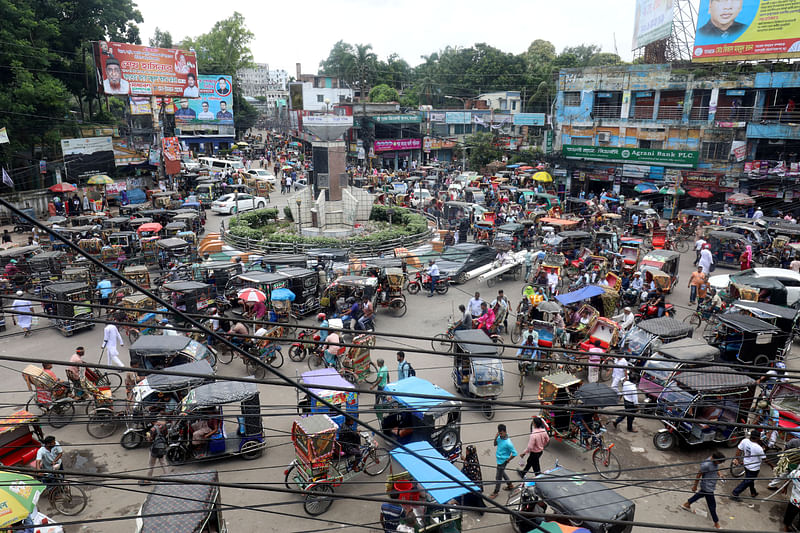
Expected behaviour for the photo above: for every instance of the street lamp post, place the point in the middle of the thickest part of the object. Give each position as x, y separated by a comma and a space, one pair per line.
299, 227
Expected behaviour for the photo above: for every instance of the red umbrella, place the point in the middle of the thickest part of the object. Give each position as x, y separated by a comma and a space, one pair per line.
526, 167
62, 187
700, 193
740, 199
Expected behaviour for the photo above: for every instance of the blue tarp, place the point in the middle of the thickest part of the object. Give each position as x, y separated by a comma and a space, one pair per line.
583, 293
416, 385
443, 490
281, 294
695, 213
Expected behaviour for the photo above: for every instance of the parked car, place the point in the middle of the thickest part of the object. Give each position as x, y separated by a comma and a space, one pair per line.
460, 258
300, 183
789, 278
263, 174
232, 203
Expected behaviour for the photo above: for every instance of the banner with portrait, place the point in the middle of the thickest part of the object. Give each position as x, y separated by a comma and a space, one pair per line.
214, 104
129, 69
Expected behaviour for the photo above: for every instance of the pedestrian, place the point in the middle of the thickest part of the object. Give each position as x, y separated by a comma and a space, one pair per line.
158, 448
505, 452
697, 280
21, 310
630, 399
707, 479
6, 236
474, 305
619, 373
76, 373
433, 273
111, 340
595, 358
752, 454
105, 289
706, 259
698, 247
793, 505
472, 469
380, 383
404, 369
537, 442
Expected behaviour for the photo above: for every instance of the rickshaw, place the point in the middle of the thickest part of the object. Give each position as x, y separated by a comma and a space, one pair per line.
50, 396
569, 493
757, 289
413, 418
173, 228
192, 221
726, 248
576, 329
138, 274
150, 229
266, 350
189, 296
551, 263
226, 436
128, 240
559, 224
281, 309
785, 318
748, 340
566, 242
166, 200
714, 396
71, 308
670, 359
343, 287
509, 237
136, 305
47, 266
179, 507
114, 224
355, 363
477, 373
220, 273
321, 462
176, 250
156, 352
606, 332
777, 406
439, 484
645, 213
566, 401
345, 397
21, 437
77, 274
390, 290
629, 252
665, 266
607, 239
484, 232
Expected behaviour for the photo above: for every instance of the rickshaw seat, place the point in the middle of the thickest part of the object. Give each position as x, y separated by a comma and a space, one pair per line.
788, 419
216, 442
629, 261
24, 453
589, 343
545, 339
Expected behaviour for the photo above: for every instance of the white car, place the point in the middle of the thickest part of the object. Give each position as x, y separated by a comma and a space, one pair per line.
232, 203
789, 278
262, 174
420, 197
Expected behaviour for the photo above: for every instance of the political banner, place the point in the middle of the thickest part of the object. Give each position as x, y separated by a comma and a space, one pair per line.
141, 105
737, 30
88, 155
214, 105
129, 69
172, 155
653, 22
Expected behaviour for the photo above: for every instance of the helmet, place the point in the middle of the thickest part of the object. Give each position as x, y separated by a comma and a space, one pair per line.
321, 317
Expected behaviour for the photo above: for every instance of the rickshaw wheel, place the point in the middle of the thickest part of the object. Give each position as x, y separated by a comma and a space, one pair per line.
315, 361
376, 462
606, 471
737, 468
441, 343
693, 320
131, 440
516, 332
372, 374
251, 450
60, 414
488, 410
664, 440
33, 403
682, 246
605, 372
491, 282
102, 423
498, 340
225, 356
761, 360
276, 361
733, 442
133, 335
112, 380
288, 478
317, 499
297, 353
176, 455
398, 307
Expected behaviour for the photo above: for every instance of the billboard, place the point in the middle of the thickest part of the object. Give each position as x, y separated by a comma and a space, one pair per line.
653, 22
172, 155
529, 119
214, 104
735, 30
88, 155
296, 96
129, 69
386, 145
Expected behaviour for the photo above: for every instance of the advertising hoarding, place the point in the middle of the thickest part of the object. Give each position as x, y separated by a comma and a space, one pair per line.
458, 117
385, 145
677, 158
408, 118
653, 22
529, 119
140, 105
172, 155
735, 30
129, 69
214, 104
93, 155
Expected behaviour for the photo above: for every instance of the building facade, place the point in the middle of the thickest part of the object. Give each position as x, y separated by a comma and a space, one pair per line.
254, 81
618, 126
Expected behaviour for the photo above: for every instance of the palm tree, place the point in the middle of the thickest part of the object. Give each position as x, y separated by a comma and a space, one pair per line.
364, 60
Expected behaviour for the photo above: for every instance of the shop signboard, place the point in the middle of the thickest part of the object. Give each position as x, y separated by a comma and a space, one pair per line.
458, 117
88, 154
386, 145
529, 119
635, 171
172, 155
129, 69
653, 22
678, 158
548, 142
408, 118
747, 30
700, 179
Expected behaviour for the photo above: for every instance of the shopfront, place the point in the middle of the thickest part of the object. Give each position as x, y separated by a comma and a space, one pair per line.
397, 154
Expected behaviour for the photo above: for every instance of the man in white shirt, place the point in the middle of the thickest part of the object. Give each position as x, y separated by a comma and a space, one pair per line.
698, 247
758, 214
619, 373
752, 454
706, 260
630, 397
474, 306
624, 319
552, 282
111, 340
433, 272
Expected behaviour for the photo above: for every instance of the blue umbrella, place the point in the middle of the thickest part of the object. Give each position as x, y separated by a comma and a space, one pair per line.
645, 188
281, 294
515, 165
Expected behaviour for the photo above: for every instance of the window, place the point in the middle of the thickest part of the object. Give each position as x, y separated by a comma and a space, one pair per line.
320, 98
718, 151
582, 141
462, 128
513, 105
572, 98
645, 143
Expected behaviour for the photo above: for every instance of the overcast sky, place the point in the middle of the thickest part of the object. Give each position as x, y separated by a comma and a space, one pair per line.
304, 31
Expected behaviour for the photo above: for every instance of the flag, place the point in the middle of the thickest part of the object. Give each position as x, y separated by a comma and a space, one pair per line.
3, 136
7, 179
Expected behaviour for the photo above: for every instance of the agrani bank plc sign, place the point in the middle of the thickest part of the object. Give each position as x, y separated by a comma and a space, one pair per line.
675, 158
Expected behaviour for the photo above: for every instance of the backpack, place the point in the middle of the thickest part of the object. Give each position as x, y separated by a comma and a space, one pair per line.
411, 371
159, 447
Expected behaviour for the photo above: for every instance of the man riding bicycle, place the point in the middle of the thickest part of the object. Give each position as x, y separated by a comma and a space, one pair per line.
48, 459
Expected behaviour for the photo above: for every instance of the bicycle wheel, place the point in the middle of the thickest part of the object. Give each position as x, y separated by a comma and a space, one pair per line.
516, 333
606, 463
276, 361
60, 414
682, 246
288, 478
372, 374
133, 335
112, 380
297, 353
498, 340
315, 362
441, 343
398, 307
318, 499
376, 462
68, 498
33, 404
102, 423
225, 356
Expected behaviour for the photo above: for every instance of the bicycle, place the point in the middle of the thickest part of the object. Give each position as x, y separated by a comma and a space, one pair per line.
66, 497
443, 342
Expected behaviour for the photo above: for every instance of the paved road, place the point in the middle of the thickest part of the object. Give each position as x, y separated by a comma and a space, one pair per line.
657, 490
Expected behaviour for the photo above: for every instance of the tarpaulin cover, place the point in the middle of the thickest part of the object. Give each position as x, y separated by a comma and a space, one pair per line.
163, 382
442, 487
713, 378
590, 291
220, 393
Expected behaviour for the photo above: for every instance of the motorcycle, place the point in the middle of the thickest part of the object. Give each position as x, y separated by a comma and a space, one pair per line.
416, 284
300, 349
651, 311
629, 298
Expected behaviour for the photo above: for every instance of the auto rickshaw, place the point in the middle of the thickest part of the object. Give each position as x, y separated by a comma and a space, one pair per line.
785, 318
484, 231
189, 296
748, 340
175, 250
726, 248
46, 267
509, 237
566, 242
665, 266
156, 352
321, 463
477, 373
139, 221
304, 283
191, 220
346, 286
265, 282
78, 274
114, 224
150, 229
166, 200
220, 273
71, 308
195, 507
207, 193
345, 397
670, 359
128, 240
226, 436
138, 274
21, 254
21, 437
649, 335
763, 289
390, 290
173, 228
713, 395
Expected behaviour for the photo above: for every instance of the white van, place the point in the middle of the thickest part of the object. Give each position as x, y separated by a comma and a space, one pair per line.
218, 167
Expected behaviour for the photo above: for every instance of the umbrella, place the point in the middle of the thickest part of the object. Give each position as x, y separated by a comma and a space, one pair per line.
526, 167
543, 176
515, 165
548, 307
252, 295
645, 188
281, 295
672, 190
596, 395
242, 143
62, 187
286, 167
18, 496
700, 193
100, 179
740, 199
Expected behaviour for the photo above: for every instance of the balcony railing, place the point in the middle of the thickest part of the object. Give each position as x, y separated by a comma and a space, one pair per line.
607, 111
642, 112
671, 112
734, 114
780, 114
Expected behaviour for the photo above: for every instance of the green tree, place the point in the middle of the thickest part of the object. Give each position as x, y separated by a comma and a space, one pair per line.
481, 150
225, 49
339, 62
383, 93
364, 63
161, 39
